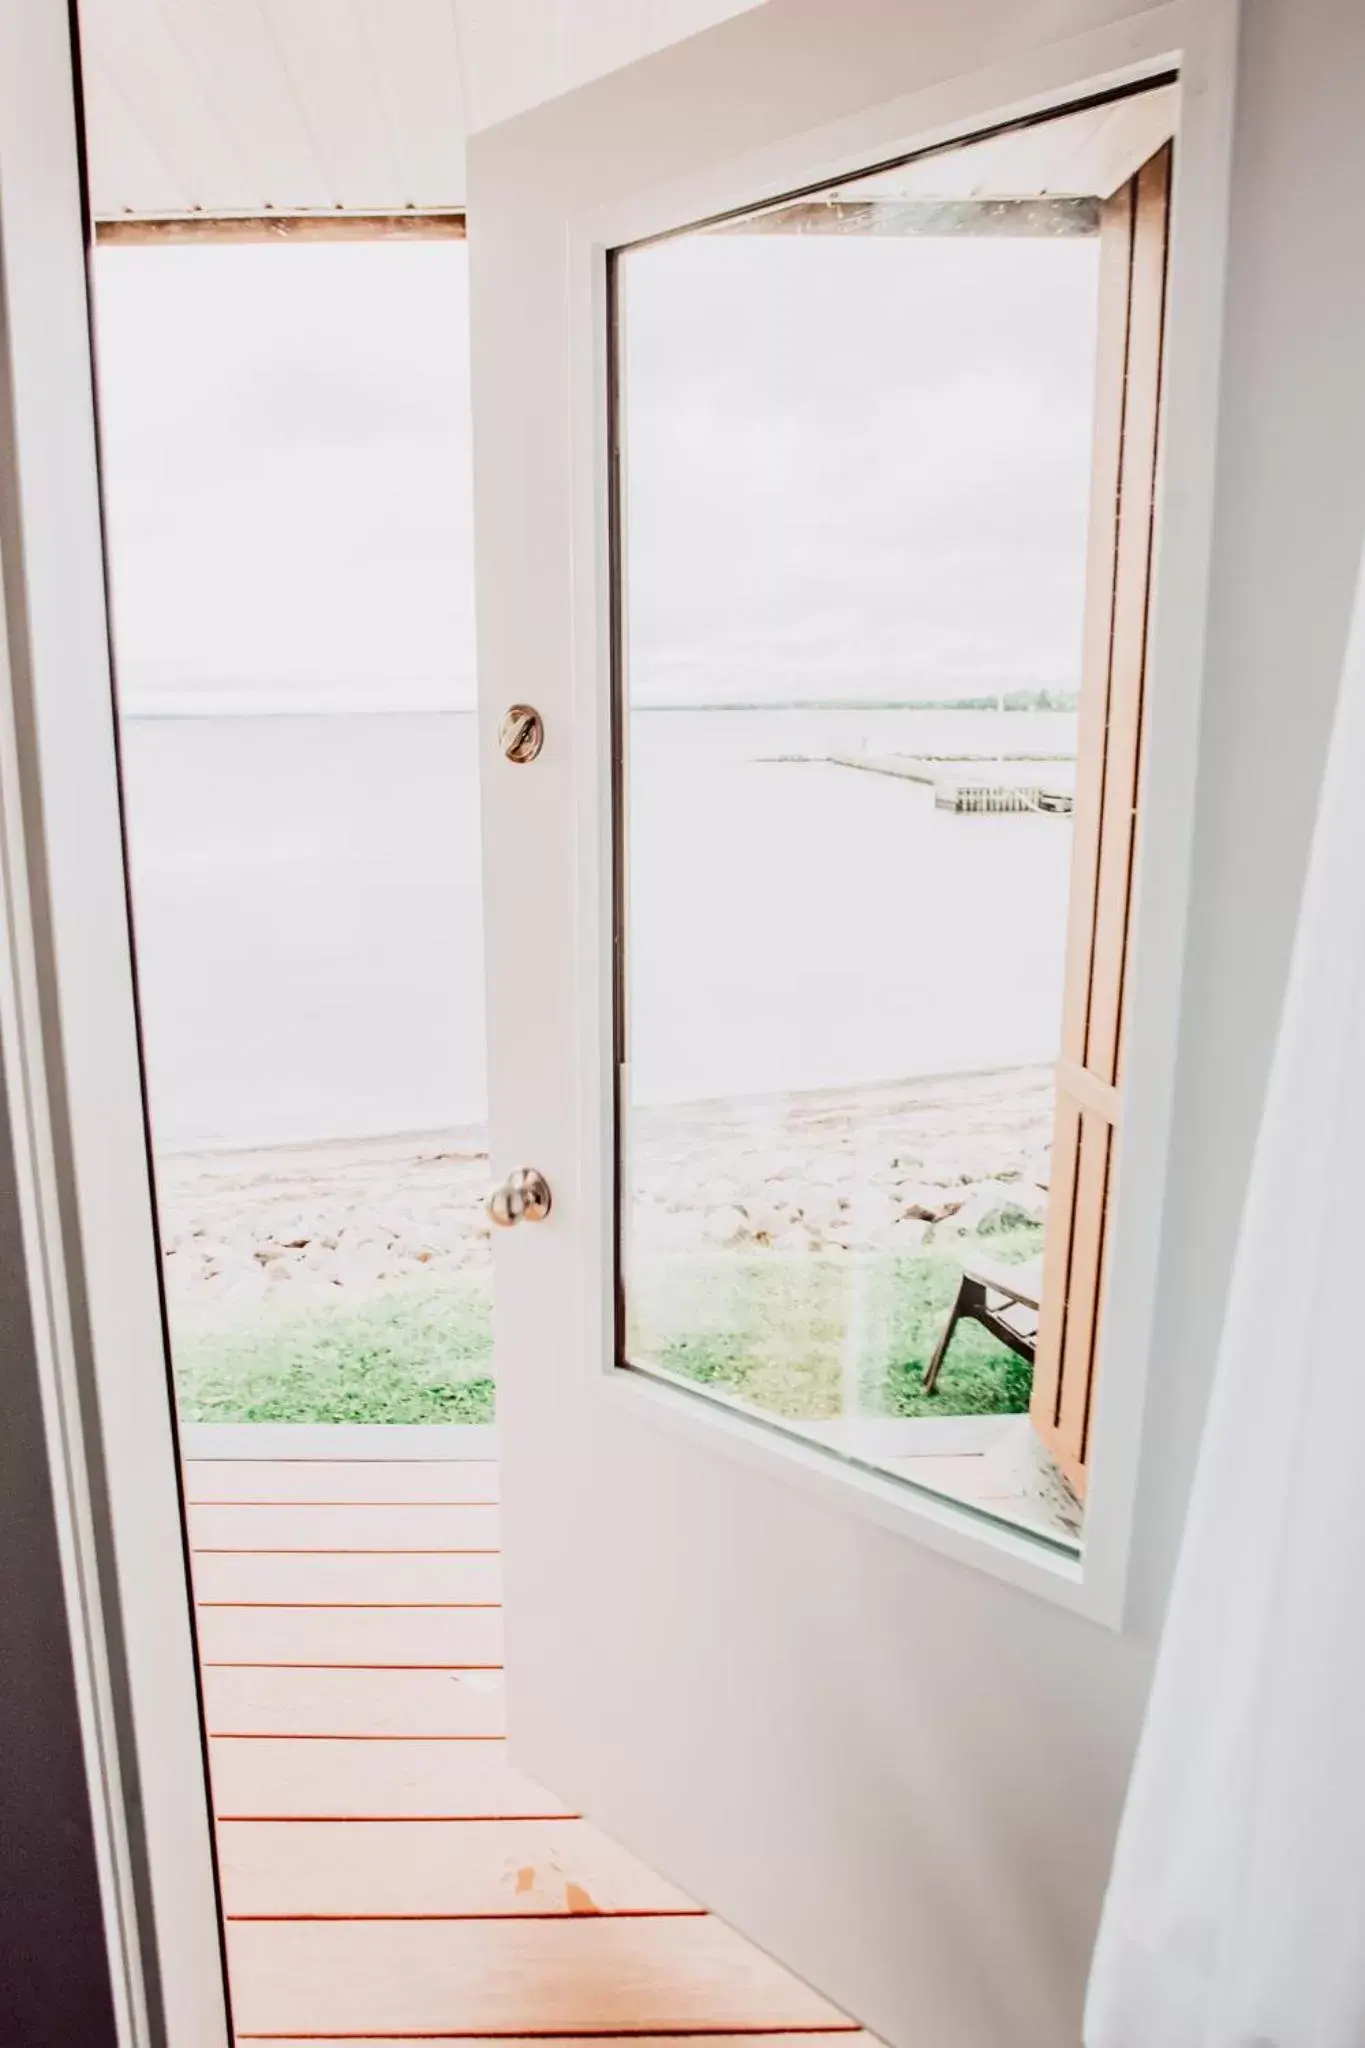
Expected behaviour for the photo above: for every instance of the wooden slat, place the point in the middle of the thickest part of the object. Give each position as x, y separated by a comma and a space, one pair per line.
243, 1701
409, 1637
1092, 723
851, 2039
269, 1780
335, 1578
1089, 1090
1082, 1309
1109, 767
439, 1869
1045, 1398
511, 1977
259, 1481
1132, 589
301, 1525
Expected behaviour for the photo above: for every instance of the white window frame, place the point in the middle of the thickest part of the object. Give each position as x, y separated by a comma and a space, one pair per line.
1196, 39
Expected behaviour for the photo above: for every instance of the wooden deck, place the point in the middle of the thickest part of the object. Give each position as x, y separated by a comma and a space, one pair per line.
387, 1875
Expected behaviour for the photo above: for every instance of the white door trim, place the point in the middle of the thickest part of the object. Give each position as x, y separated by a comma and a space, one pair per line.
1197, 38
68, 1018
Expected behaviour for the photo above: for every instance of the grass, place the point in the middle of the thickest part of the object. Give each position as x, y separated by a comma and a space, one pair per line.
774, 1330
410, 1357
787, 1334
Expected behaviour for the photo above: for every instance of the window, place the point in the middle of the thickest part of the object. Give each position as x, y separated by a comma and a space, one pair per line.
884, 528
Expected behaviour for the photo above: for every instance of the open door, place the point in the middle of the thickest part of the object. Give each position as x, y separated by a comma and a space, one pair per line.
1134, 231
743, 1635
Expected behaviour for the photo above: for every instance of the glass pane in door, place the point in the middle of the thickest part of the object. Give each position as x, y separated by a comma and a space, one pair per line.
856, 435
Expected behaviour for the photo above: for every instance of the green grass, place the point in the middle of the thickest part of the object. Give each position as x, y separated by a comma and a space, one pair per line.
773, 1330
777, 1331
410, 1357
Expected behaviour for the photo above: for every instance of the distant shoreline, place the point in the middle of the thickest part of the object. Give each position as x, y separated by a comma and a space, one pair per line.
1058, 703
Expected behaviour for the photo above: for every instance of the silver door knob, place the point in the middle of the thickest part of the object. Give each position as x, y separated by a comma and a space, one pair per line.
524, 1197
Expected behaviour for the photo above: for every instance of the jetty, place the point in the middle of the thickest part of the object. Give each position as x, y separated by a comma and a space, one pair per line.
972, 782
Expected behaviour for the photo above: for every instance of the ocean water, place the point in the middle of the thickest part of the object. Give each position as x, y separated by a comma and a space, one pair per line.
308, 915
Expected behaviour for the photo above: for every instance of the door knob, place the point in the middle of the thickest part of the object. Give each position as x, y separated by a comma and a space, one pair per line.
524, 1197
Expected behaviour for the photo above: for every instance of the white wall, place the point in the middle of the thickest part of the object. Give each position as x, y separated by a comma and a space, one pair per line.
1291, 513
925, 1827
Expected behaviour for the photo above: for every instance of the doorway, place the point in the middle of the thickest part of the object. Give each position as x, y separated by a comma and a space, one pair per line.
285, 419
853, 1712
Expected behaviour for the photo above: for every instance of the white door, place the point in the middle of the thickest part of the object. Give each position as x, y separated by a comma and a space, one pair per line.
879, 1729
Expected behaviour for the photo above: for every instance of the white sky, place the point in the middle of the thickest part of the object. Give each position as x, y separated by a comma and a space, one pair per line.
856, 467
286, 441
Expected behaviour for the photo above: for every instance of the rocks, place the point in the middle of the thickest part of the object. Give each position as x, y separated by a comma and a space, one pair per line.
878, 1169
728, 1226
994, 1206
928, 1204
312, 1224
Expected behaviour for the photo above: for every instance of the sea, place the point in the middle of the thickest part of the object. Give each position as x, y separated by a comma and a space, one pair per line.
308, 913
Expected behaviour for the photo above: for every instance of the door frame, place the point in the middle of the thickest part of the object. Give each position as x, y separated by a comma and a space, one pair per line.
1197, 39
72, 1073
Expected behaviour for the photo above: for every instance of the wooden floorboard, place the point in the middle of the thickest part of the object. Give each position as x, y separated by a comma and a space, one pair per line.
332, 1483
388, 1875
304, 1525
245, 1700
589, 1974
268, 1778
366, 1637
755, 2037
253, 1578
433, 1869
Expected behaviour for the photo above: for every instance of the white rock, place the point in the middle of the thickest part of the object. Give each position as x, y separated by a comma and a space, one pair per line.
725, 1226
929, 1204
995, 1205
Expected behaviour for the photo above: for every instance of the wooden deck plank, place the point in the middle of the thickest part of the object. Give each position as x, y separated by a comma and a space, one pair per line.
756, 2037
366, 1637
433, 1869
257, 1482
363, 1525
269, 1779
328, 1443
283, 1700
294, 1578
588, 1974
376, 1846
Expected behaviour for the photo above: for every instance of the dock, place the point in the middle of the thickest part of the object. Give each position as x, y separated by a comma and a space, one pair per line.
998, 783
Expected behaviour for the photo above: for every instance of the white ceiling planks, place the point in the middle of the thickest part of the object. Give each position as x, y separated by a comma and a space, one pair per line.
226, 107
235, 48
508, 55
162, 90
424, 105
123, 158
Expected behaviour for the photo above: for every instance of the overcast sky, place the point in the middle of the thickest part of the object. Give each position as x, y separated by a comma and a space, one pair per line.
286, 435
856, 467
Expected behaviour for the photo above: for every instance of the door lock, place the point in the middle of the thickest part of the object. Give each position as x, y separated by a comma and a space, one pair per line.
522, 733
524, 1197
